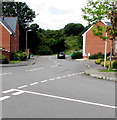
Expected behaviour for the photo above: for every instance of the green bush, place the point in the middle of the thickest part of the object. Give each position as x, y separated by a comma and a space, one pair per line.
23, 56
3, 59
76, 55
97, 56
19, 55
114, 64
98, 61
102, 63
44, 50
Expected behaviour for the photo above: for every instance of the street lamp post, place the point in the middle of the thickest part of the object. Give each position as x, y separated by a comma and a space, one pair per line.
27, 50
27, 38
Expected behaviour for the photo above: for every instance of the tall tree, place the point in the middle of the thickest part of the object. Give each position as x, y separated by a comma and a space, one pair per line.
73, 29
21, 10
98, 10
25, 16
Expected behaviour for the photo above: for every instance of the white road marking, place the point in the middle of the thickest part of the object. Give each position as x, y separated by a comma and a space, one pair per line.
7, 91
6, 73
3, 98
34, 69
58, 77
53, 66
43, 81
64, 76
73, 74
34, 83
88, 66
18, 93
23, 86
52, 79
80, 73
69, 75
71, 99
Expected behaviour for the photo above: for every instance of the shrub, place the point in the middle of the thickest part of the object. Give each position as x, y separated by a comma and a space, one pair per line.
19, 55
107, 64
15, 56
98, 61
114, 64
76, 55
97, 56
102, 63
3, 59
23, 56
44, 50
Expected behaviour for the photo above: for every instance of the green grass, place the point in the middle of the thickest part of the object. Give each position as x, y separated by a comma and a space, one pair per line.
108, 70
15, 61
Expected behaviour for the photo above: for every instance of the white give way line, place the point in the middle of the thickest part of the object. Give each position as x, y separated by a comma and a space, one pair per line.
18, 92
5, 73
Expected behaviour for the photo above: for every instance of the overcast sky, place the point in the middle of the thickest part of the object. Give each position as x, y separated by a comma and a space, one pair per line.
55, 14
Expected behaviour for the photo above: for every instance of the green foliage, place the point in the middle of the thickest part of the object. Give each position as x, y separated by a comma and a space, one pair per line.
114, 64
73, 42
73, 29
12, 62
98, 10
96, 56
54, 41
25, 16
23, 56
102, 63
34, 27
98, 61
19, 9
76, 55
44, 50
17, 56
99, 30
3, 59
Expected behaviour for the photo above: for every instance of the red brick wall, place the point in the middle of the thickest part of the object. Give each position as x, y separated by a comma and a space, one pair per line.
95, 44
15, 40
5, 38
7, 54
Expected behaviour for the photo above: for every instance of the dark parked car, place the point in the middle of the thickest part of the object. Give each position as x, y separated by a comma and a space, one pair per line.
61, 55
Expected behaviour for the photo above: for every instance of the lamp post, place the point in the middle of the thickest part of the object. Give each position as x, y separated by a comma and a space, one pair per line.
27, 38
27, 50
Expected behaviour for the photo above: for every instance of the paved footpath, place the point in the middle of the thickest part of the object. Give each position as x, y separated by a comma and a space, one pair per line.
94, 71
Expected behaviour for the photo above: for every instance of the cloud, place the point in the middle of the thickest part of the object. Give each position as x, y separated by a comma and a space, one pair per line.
57, 11
55, 14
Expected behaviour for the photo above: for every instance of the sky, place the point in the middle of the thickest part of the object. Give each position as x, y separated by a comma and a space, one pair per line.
55, 14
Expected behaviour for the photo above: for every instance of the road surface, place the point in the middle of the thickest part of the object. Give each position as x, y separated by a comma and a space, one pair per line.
55, 88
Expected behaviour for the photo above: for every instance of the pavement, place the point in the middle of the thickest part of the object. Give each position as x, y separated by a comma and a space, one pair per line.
93, 71
30, 61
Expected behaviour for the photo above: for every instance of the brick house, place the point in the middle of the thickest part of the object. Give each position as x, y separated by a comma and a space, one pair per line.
93, 44
9, 35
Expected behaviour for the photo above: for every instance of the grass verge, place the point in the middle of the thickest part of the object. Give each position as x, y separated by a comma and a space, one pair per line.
15, 61
108, 70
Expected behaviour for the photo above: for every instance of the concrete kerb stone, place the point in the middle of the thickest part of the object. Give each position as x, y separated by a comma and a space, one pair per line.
94, 72
25, 63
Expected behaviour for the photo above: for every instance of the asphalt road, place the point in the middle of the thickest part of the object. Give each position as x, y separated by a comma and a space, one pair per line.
55, 88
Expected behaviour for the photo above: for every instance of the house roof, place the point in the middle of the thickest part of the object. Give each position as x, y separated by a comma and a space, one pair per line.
105, 22
10, 23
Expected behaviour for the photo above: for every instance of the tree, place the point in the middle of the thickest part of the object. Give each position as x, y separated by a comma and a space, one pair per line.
21, 10
34, 27
25, 16
73, 29
98, 10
